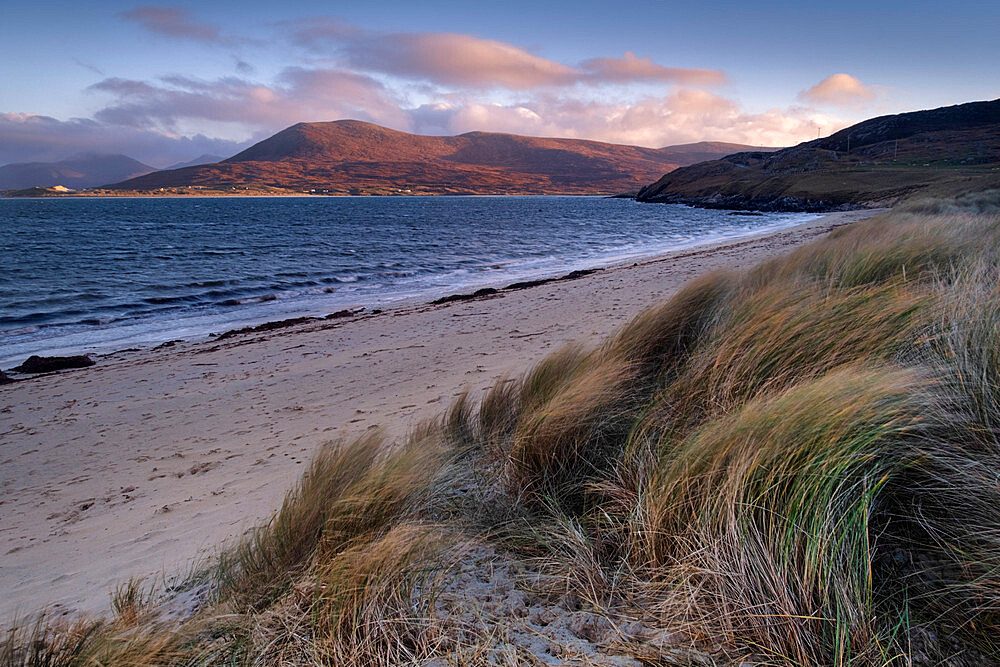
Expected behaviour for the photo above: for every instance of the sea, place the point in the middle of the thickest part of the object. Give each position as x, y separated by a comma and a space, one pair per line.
98, 275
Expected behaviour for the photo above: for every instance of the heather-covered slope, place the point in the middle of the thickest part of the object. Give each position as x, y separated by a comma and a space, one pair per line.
792, 465
354, 157
874, 163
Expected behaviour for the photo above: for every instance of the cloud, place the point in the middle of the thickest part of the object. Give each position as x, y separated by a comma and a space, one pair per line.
173, 22
633, 68
683, 116
839, 90
453, 59
297, 94
26, 137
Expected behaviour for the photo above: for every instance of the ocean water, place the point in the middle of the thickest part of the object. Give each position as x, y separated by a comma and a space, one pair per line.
95, 275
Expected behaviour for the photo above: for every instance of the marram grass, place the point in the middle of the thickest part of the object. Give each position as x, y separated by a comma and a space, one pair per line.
798, 465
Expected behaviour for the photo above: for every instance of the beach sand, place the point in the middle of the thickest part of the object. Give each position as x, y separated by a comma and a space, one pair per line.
143, 462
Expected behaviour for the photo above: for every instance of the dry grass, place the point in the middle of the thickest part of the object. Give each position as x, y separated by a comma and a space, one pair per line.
795, 465
777, 506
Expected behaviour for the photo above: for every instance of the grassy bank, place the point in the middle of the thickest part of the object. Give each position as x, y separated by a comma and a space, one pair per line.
799, 464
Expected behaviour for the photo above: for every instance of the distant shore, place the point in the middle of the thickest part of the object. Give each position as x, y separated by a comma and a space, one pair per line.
43, 193
138, 464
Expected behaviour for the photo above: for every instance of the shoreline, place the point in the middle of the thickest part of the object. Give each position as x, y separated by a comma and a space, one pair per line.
222, 194
146, 335
143, 462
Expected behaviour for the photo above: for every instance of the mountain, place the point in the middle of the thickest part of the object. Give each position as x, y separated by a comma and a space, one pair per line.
348, 156
83, 170
687, 154
201, 159
877, 162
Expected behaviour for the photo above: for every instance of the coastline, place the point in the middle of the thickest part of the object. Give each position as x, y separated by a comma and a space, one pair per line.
102, 326
136, 465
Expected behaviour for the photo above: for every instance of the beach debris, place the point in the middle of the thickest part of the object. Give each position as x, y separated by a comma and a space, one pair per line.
346, 312
267, 326
37, 364
572, 275
486, 291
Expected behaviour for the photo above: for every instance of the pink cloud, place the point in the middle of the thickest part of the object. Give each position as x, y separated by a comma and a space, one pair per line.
839, 90
686, 115
454, 59
630, 67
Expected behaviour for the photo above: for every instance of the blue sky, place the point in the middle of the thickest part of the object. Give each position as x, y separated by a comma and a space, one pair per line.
164, 82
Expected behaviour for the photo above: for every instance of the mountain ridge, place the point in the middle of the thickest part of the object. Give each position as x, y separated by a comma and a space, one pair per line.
876, 162
356, 157
204, 158
81, 170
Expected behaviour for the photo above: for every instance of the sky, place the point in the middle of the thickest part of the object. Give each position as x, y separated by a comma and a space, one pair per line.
165, 83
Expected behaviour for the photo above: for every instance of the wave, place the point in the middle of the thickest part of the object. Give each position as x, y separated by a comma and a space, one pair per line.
264, 298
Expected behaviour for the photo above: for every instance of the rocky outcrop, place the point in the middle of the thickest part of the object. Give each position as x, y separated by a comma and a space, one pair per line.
37, 364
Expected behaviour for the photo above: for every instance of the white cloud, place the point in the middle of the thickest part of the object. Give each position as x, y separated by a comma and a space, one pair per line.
840, 90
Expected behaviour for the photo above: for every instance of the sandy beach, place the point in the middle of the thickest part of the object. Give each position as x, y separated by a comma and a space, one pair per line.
138, 465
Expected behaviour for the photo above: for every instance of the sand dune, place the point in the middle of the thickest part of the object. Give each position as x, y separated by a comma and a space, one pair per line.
137, 465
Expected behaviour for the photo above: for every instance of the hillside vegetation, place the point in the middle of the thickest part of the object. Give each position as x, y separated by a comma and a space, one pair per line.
799, 464
878, 162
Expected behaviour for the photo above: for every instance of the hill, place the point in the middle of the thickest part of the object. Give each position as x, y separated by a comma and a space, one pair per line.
83, 170
353, 157
874, 163
205, 158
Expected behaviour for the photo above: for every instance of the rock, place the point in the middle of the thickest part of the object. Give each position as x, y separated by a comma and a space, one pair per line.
37, 364
6, 379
